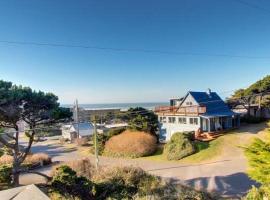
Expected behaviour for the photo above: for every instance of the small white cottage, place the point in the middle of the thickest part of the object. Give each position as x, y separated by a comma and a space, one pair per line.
80, 130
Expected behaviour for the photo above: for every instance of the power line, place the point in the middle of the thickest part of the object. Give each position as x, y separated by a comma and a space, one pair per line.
252, 5
8, 42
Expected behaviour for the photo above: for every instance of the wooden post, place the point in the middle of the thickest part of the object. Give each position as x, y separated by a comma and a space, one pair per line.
209, 125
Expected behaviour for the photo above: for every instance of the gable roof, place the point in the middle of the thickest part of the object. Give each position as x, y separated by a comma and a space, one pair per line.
215, 106
85, 128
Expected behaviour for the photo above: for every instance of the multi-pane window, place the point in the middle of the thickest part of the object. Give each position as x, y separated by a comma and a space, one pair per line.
193, 121
171, 120
182, 120
162, 119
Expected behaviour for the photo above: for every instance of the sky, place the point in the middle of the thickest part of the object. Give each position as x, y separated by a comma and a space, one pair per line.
172, 47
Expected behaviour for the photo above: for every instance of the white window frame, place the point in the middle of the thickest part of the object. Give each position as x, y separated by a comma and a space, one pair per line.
171, 120
182, 121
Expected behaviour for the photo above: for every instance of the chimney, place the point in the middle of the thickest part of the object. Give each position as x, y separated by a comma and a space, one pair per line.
209, 92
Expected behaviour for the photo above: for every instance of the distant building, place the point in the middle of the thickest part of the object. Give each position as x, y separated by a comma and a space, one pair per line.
199, 112
254, 110
77, 130
85, 115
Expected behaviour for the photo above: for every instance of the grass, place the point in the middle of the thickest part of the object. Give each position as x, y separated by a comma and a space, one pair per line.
209, 151
205, 150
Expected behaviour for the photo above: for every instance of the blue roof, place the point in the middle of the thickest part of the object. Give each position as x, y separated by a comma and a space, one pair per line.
215, 106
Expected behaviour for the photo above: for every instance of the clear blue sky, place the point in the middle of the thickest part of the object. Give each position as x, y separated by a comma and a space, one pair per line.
92, 76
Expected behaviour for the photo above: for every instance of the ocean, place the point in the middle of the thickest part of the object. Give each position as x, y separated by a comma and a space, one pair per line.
122, 106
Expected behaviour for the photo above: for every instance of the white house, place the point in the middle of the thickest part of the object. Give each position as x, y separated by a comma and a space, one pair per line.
77, 130
199, 112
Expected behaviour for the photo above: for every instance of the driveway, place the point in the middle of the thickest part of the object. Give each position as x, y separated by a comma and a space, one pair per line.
224, 176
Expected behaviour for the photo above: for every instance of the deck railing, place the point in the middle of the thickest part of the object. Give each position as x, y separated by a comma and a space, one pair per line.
181, 110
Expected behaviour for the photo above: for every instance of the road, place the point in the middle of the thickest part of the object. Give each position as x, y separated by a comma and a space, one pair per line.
224, 176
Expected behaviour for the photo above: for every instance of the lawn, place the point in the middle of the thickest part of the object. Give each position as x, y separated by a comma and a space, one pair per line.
205, 150
226, 145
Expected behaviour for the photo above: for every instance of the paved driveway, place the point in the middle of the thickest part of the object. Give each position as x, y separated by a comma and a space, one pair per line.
225, 175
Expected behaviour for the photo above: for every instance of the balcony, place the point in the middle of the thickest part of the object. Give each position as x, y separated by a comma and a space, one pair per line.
174, 110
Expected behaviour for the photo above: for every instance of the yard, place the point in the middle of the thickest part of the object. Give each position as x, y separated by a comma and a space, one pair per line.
221, 148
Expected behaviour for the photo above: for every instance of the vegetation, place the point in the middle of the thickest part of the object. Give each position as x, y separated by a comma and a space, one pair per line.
103, 138
118, 183
258, 154
132, 144
30, 160
5, 176
125, 183
36, 109
257, 93
82, 167
68, 184
179, 146
258, 87
81, 141
141, 119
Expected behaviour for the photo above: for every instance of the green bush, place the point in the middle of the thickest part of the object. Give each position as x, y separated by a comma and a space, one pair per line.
5, 175
125, 183
1, 152
256, 194
179, 147
115, 131
134, 183
66, 182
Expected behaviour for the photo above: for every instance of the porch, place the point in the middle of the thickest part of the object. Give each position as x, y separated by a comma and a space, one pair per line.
215, 126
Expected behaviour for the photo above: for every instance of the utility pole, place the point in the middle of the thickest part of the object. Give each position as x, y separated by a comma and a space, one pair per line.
77, 117
96, 147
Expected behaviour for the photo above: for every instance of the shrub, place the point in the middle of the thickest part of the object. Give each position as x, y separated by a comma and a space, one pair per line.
1, 152
5, 176
67, 183
101, 141
179, 147
256, 194
82, 167
115, 131
134, 183
30, 159
131, 144
103, 138
6, 160
43, 158
125, 183
81, 141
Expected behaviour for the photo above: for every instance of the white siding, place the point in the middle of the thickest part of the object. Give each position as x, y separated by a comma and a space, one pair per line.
189, 98
66, 133
170, 128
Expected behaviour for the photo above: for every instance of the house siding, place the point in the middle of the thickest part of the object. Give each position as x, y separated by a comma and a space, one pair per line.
168, 129
189, 98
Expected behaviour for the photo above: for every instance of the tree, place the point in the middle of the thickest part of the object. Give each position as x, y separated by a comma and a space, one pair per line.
255, 93
141, 119
258, 154
22, 104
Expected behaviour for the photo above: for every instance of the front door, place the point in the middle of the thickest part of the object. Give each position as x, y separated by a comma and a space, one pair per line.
204, 124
